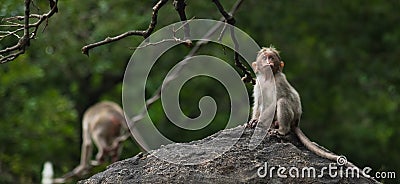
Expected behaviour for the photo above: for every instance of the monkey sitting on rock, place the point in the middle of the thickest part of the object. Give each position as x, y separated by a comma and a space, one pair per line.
288, 105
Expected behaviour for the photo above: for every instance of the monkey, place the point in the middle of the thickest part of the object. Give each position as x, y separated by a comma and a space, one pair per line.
288, 108
288, 105
261, 78
104, 124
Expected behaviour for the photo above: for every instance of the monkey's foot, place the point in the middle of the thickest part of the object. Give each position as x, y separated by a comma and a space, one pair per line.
78, 171
252, 123
274, 132
95, 163
275, 124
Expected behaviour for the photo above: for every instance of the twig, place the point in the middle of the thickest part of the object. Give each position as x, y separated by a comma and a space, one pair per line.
5, 34
177, 40
12, 52
174, 38
247, 75
212, 31
180, 8
145, 33
20, 18
228, 17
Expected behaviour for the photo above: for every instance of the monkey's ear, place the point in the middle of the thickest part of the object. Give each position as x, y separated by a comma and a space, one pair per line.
254, 65
282, 64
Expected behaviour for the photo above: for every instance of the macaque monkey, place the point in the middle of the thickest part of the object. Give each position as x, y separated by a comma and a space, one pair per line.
104, 124
288, 105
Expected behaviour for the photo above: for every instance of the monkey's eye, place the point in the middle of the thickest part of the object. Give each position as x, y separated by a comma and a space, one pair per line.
264, 58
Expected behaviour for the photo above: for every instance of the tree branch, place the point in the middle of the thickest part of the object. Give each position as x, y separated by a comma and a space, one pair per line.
230, 20
180, 8
228, 17
157, 93
12, 52
145, 33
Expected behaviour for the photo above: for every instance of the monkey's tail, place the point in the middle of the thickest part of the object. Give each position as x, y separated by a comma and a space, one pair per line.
312, 147
317, 150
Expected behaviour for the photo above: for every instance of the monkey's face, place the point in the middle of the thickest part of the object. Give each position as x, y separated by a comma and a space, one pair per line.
268, 58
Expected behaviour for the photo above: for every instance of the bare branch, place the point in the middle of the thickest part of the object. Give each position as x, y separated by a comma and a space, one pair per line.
247, 75
212, 31
17, 28
228, 17
145, 33
20, 18
230, 20
180, 8
174, 38
18, 49
85, 49
157, 93
4, 34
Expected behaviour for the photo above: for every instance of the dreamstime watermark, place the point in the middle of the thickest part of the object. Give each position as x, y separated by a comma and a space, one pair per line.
148, 53
333, 170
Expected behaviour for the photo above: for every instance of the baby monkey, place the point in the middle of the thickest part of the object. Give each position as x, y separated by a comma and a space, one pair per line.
288, 104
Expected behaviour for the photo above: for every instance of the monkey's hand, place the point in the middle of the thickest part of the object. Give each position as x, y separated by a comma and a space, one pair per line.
252, 123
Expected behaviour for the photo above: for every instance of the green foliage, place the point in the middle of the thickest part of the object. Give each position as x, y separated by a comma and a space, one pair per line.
30, 116
342, 57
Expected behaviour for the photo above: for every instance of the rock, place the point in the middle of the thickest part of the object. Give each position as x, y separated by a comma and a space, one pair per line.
239, 164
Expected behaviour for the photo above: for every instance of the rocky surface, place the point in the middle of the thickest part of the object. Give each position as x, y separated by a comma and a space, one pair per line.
240, 163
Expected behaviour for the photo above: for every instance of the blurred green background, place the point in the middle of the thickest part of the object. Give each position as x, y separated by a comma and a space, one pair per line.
342, 56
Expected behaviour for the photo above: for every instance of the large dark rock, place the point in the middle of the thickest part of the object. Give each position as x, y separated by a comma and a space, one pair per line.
239, 164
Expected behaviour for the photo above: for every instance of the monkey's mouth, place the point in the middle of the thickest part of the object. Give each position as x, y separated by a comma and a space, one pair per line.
272, 65
269, 64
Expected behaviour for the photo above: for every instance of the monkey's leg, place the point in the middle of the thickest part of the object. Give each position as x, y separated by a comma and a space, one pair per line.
87, 149
274, 126
101, 143
116, 147
86, 152
284, 116
115, 152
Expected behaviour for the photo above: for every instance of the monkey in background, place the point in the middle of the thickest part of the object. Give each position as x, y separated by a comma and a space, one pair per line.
104, 124
288, 105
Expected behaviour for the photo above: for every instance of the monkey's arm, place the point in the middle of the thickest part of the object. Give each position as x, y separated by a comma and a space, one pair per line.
256, 106
265, 119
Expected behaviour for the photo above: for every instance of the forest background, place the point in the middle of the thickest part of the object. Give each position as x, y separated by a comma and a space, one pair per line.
342, 56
